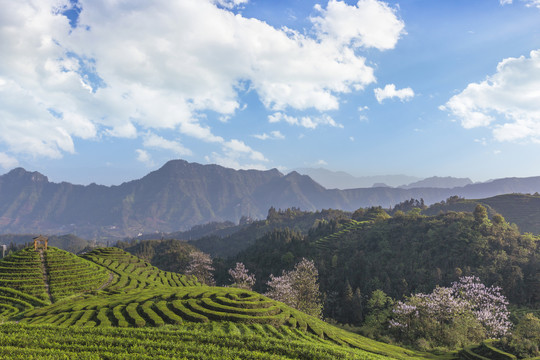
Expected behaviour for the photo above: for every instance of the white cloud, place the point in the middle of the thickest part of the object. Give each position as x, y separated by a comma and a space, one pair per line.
230, 4
322, 162
308, 122
236, 148
154, 141
274, 135
390, 92
130, 67
506, 101
481, 141
235, 154
528, 3
7, 162
233, 163
370, 23
277, 135
532, 3
144, 157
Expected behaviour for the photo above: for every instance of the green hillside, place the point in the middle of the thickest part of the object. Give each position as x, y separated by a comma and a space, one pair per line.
402, 255
23, 271
113, 305
293, 218
133, 273
520, 209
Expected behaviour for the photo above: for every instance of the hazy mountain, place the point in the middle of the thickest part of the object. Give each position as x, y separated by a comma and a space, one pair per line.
447, 182
342, 180
180, 195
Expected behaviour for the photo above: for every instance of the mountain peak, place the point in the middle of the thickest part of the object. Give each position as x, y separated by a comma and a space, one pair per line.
20, 173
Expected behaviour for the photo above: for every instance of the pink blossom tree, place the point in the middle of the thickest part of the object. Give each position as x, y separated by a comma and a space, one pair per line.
465, 313
201, 267
488, 305
298, 288
241, 277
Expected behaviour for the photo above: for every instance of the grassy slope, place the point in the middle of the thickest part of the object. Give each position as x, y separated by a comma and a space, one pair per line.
148, 313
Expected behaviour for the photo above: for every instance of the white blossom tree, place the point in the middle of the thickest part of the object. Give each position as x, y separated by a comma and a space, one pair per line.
466, 312
280, 289
298, 288
201, 267
241, 277
488, 305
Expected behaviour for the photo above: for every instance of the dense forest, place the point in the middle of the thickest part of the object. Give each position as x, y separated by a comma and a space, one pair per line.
403, 255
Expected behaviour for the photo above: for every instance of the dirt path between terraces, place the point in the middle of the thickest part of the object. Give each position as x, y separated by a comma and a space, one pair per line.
111, 277
45, 275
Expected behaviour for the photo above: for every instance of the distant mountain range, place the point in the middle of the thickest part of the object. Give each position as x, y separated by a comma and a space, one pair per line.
447, 182
181, 194
342, 180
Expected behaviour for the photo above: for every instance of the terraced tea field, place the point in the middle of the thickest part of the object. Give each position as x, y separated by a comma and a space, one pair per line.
22, 271
68, 274
326, 241
485, 351
192, 341
132, 273
110, 304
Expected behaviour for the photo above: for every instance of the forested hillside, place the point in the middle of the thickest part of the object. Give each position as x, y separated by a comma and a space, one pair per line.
403, 255
521, 209
292, 218
400, 255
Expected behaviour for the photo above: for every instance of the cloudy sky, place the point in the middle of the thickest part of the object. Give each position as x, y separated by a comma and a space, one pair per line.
105, 91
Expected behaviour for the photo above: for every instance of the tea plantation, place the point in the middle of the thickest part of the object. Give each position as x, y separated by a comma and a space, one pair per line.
108, 304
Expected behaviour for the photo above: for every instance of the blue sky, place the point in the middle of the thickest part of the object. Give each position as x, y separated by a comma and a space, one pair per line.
102, 91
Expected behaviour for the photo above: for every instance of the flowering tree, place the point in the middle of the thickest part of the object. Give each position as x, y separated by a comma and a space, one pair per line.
201, 267
298, 288
280, 288
487, 304
467, 312
241, 278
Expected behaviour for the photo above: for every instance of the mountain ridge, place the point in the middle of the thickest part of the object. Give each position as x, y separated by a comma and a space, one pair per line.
180, 195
